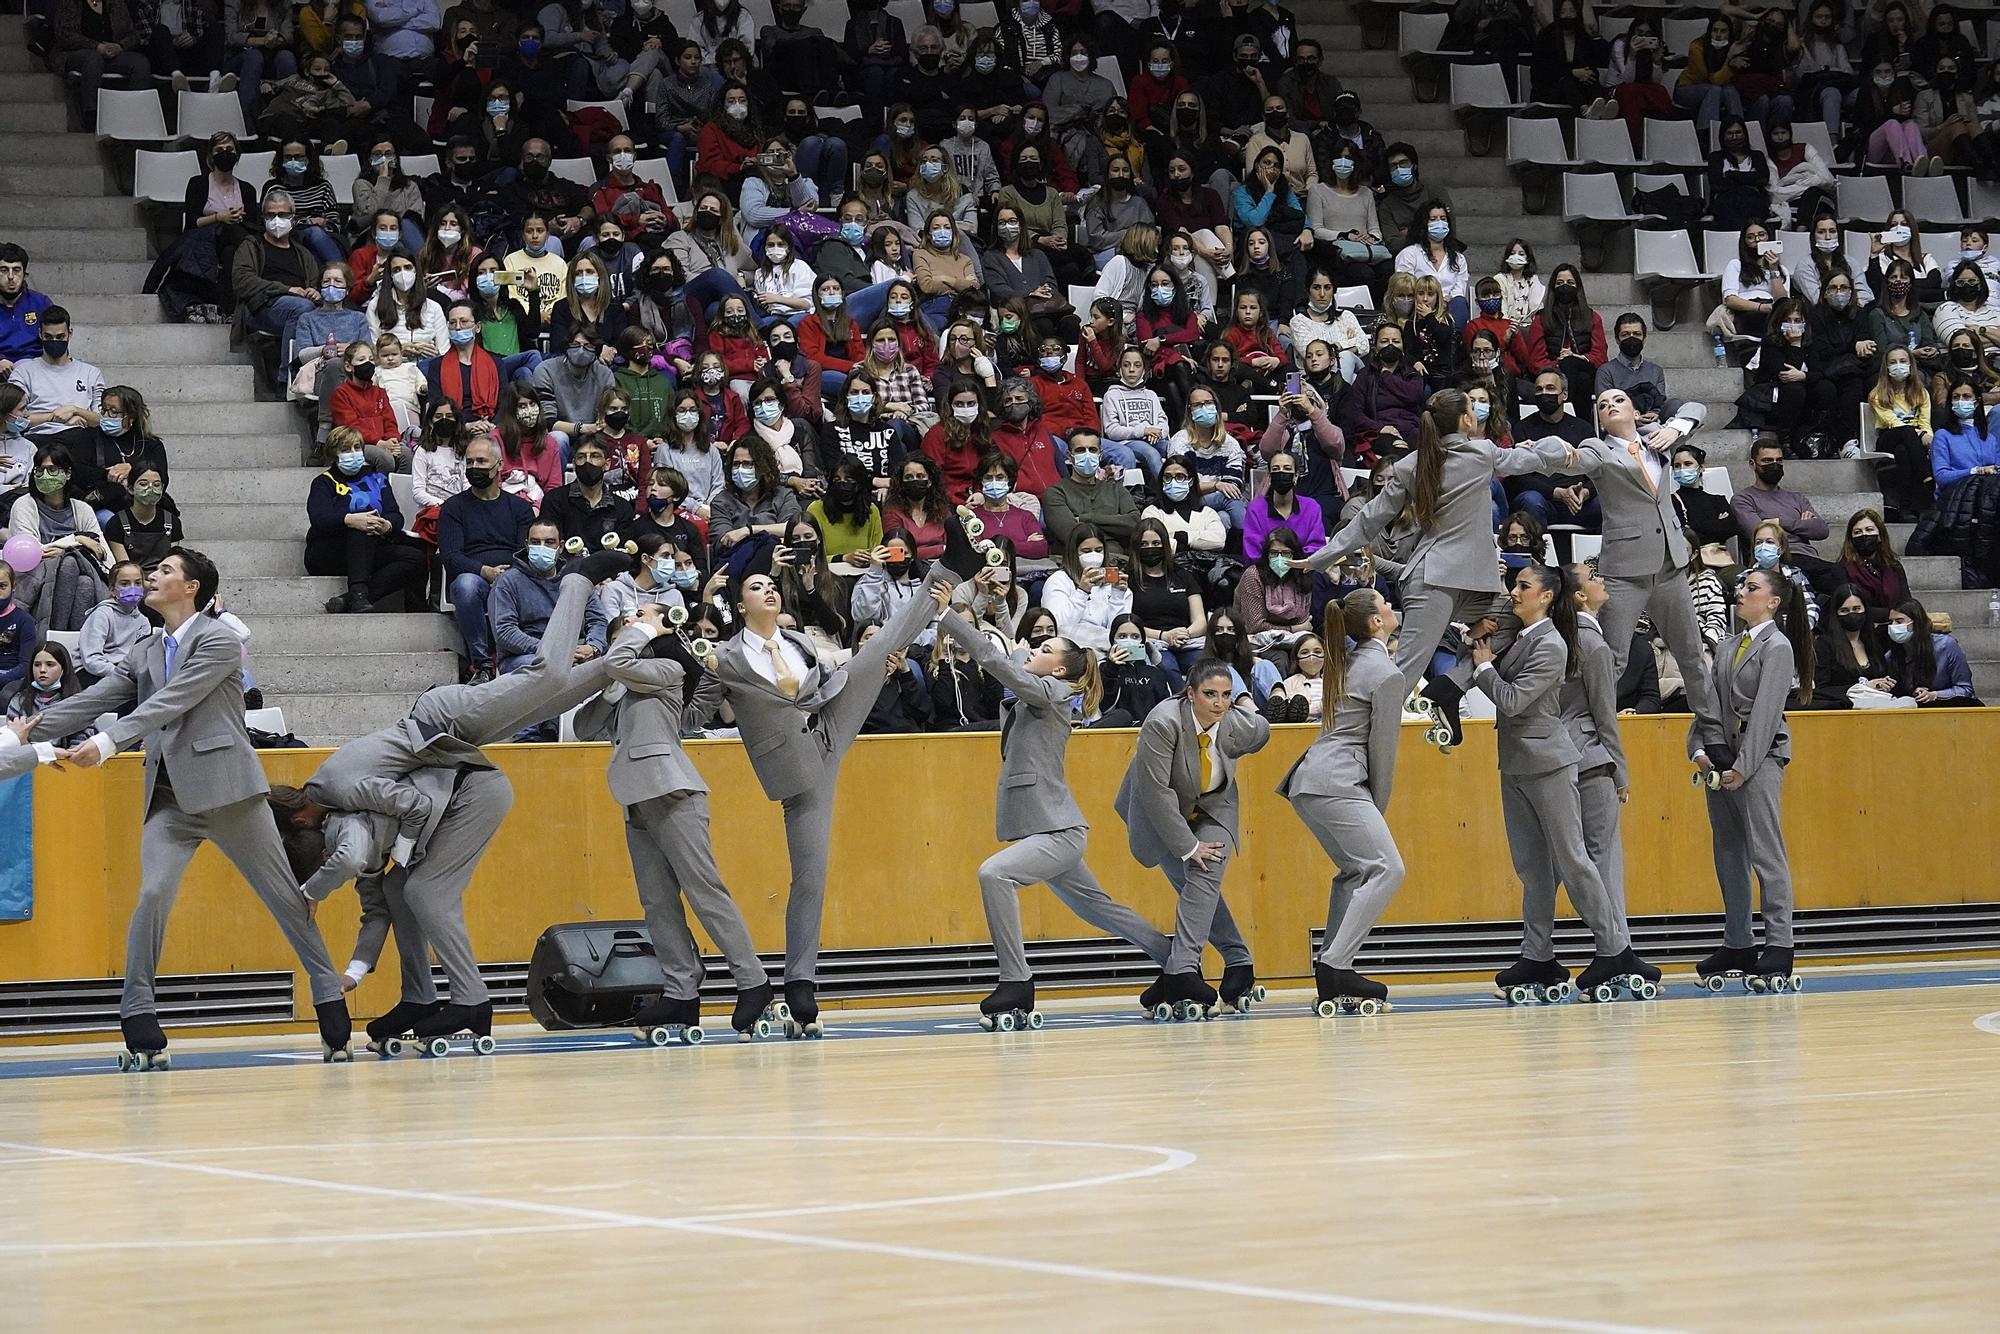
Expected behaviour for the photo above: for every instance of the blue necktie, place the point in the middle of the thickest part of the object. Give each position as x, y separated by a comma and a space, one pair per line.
171, 645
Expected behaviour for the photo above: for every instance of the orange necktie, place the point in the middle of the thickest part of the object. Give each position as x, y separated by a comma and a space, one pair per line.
1632, 447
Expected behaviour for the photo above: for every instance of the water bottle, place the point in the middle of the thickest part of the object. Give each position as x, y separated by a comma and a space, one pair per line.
1913, 341
1993, 609
1721, 352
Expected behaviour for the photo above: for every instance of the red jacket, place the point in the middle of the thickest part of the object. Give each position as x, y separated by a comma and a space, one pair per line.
919, 348
1033, 452
366, 408
1545, 340
727, 421
742, 357
606, 200
1244, 341
1149, 96
959, 464
1098, 360
1066, 402
718, 155
812, 342
1514, 356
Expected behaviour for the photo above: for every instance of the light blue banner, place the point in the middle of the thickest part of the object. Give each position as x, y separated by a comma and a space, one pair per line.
17, 848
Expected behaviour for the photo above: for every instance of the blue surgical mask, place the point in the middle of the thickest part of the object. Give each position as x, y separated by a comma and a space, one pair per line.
380, 160
17, 426
743, 478
1281, 566
1030, 10
111, 425
1084, 463
1481, 409
486, 283
498, 107
1687, 477
294, 166
860, 405
663, 571
1901, 632
585, 284
994, 488
542, 558
942, 238
686, 420
460, 337
1964, 408
387, 240
768, 411
352, 461
1401, 175
899, 308
1050, 364
683, 578
832, 300
1159, 69
352, 47
1766, 554
1163, 296
1343, 167
852, 232
531, 47
537, 250
1204, 414
930, 171
1437, 230
985, 64
579, 358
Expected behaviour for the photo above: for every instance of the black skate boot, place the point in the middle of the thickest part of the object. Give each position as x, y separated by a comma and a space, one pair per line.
601, 565
437, 1030
753, 1015
1773, 970
1191, 996
1344, 991
1446, 733
145, 1044
668, 1018
802, 999
1011, 1006
386, 1033
1714, 972
336, 1031
1532, 982
1609, 974
1239, 988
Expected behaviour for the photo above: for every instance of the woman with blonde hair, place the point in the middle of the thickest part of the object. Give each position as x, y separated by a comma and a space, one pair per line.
1902, 413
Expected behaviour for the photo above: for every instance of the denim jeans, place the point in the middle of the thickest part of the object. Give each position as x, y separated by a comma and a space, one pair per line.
520, 366
280, 315
252, 67
321, 242
822, 159
1133, 453
468, 604
1236, 509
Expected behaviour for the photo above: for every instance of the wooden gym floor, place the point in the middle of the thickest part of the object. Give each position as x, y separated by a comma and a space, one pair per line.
1823, 1161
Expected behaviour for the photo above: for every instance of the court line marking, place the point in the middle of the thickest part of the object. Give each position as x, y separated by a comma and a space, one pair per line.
1988, 1023
314, 1239
1182, 1283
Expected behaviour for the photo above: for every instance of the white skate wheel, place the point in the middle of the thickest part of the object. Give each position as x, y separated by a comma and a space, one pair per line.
1326, 1009
693, 1034
1005, 1022
393, 1047
1162, 1013
762, 1028
1369, 1007
1648, 989
974, 528
1259, 994
1519, 995
779, 1011
700, 648
656, 1036
1034, 1019
1606, 992
677, 615
127, 1061
484, 1045
1798, 983
439, 1046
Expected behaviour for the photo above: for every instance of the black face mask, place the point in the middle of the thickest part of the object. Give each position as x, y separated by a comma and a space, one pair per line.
1770, 474
896, 568
1152, 554
1867, 544
479, 478
534, 171
846, 492
1853, 620
224, 159
660, 285
590, 474
444, 428
1029, 172
1278, 122
1114, 122
1225, 643
616, 419
705, 221
1565, 295
918, 489
1965, 356
1632, 347
1283, 482
798, 126
1389, 356
1179, 183
1187, 117
365, 372
1551, 404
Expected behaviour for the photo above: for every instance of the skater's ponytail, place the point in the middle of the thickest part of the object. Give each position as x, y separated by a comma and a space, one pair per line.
1080, 670
1792, 622
1442, 414
1562, 609
1344, 620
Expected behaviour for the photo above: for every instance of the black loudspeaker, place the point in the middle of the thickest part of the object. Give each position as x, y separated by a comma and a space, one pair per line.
592, 974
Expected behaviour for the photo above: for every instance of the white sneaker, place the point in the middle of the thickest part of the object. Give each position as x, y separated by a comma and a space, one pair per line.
1851, 450
181, 84
225, 84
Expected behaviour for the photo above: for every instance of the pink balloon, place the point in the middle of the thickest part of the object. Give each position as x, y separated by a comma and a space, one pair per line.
22, 552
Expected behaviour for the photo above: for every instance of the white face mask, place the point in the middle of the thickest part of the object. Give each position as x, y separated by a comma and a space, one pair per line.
965, 413
449, 236
1517, 261
966, 127
622, 161
278, 226
1090, 560
1896, 235
404, 279
1826, 245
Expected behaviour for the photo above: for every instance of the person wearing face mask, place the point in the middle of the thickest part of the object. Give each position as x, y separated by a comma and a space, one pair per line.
655, 577
355, 529
875, 41
363, 406
215, 200
1752, 282
1077, 97
523, 605
1641, 380
1770, 552
1869, 564
945, 274
403, 306
1829, 257
113, 625
1765, 499
1965, 461
1380, 413
586, 508
1087, 592
1154, 89
1114, 213
1088, 498
1790, 377
568, 387
1923, 664
1273, 602
1489, 317
1969, 305
1407, 197
1847, 653
1704, 514
1567, 58
1707, 82
1568, 336
971, 158
730, 139
1802, 185
1902, 413
847, 517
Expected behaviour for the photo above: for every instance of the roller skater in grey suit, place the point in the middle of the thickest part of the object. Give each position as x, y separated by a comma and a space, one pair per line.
655, 682
1179, 801
1538, 798
1034, 812
798, 717
1754, 675
1451, 572
184, 686
1340, 789
1590, 711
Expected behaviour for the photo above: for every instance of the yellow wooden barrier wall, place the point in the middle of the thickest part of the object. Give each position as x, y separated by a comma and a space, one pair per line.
1888, 808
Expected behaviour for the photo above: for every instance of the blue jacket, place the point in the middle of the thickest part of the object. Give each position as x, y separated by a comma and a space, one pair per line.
21, 326
20, 638
1957, 449
520, 606
334, 497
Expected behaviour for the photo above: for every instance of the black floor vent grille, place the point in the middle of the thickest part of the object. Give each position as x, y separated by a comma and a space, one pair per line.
90, 1004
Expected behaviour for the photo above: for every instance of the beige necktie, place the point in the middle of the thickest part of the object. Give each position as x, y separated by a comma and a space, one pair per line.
1645, 472
781, 671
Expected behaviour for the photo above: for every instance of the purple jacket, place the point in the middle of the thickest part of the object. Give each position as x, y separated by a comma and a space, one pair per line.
1306, 521
1379, 400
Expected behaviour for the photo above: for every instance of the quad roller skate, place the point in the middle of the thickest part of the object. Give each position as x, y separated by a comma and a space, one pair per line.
1240, 989
1533, 982
1178, 997
1344, 991
145, 1044
1773, 971
1612, 975
388, 1035
669, 1018
1714, 972
1721, 759
802, 1011
1437, 705
757, 1015
336, 1032
451, 1026
1011, 1007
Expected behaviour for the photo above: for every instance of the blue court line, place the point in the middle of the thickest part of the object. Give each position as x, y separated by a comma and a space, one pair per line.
855, 1026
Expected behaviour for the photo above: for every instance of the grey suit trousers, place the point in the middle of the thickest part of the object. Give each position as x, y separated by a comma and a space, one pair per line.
244, 832
1054, 859
432, 892
1427, 616
1368, 870
1597, 800
377, 914
1202, 916
809, 814
547, 687
1544, 818
1748, 836
413, 952
1667, 598
673, 859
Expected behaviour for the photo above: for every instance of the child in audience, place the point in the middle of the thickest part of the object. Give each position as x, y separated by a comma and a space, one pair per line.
51, 679
113, 625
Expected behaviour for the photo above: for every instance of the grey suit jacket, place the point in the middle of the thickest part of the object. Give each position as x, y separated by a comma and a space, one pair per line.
1525, 685
645, 721
405, 774
1590, 704
1358, 750
1642, 529
195, 720
1458, 550
1162, 785
1034, 796
1752, 699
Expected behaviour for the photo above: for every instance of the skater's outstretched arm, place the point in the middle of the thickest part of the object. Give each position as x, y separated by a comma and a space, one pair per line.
1385, 731
1549, 454
1036, 692
1244, 730
1364, 528
79, 711
199, 669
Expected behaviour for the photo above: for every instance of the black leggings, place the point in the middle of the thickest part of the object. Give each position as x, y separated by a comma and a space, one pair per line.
1907, 478
380, 564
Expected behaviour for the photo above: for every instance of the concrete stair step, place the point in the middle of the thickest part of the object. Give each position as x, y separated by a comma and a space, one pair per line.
77, 243
1986, 680
80, 175
225, 486
15, 58
1835, 507
274, 520
1981, 642
1965, 606
110, 277
31, 88
322, 674
338, 636
259, 599
1385, 99
1450, 167
115, 347
249, 558
173, 418
329, 720
104, 309
197, 457
223, 387
52, 147
1939, 572
39, 117
90, 216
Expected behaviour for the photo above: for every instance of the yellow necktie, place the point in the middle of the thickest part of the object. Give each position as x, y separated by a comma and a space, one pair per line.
1201, 740
788, 685
1646, 473
1742, 649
